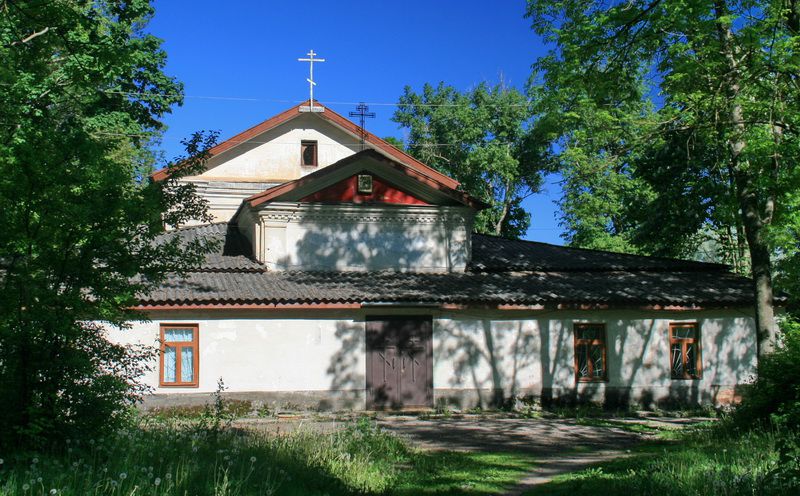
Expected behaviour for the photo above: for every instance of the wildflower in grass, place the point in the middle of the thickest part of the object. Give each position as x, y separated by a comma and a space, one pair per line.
123, 476
39, 480
25, 487
168, 476
35, 460
157, 481
54, 491
252, 460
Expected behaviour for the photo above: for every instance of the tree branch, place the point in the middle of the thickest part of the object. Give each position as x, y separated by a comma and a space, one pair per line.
30, 37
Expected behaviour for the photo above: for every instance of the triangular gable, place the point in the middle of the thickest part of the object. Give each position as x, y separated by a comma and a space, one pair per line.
339, 121
400, 177
347, 191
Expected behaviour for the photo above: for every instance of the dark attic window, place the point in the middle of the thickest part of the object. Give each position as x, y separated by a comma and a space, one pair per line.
308, 153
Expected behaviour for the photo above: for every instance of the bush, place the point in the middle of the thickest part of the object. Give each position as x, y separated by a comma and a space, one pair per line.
774, 397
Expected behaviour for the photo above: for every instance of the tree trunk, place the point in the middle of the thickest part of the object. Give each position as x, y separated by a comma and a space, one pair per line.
753, 219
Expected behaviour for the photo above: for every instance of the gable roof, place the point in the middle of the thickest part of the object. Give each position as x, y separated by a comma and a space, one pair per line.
310, 183
339, 121
535, 274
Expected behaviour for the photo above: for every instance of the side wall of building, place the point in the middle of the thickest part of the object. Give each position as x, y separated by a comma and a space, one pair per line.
317, 360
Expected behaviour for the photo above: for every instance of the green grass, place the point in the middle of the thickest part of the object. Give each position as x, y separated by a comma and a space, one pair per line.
706, 460
179, 458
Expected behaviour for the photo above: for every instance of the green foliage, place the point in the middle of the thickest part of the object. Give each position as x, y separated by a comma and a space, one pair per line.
161, 457
80, 221
480, 138
395, 142
774, 396
674, 123
709, 460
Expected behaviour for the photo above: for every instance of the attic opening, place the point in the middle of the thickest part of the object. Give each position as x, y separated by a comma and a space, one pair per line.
308, 153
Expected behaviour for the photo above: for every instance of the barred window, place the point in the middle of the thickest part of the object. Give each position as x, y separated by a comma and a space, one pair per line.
684, 346
590, 352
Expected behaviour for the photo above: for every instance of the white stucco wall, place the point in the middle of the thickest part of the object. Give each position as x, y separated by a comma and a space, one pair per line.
474, 352
531, 355
274, 156
257, 354
294, 236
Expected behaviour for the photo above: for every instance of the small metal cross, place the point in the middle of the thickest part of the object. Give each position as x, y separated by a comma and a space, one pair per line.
362, 112
310, 78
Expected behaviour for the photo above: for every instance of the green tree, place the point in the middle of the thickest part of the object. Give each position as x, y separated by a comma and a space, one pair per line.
82, 93
722, 79
480, 138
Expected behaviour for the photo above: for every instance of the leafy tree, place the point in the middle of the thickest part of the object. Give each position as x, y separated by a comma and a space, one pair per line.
478, 137
715, 153
395, 142
79, 226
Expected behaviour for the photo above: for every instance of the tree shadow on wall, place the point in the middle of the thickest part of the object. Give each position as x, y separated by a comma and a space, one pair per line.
374, 242
489, 358
347, 367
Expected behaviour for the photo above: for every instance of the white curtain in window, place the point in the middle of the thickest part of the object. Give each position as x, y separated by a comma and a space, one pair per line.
187, 364
178, 335
170, 361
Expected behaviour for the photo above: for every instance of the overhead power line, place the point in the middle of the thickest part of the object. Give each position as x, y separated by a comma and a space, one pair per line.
151, 135
273, 100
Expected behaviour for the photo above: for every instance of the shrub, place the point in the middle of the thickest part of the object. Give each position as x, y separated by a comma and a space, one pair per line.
774, 397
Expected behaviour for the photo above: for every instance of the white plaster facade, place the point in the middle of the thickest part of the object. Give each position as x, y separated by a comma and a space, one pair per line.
298, 236
262, 355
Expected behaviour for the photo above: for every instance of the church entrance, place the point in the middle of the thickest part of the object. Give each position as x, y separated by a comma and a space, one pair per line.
399, 362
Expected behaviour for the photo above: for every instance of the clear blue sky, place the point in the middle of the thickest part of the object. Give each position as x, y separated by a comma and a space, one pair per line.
245, 53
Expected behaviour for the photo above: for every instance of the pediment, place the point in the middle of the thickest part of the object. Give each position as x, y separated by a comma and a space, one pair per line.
364, 187
393, 183
270, 152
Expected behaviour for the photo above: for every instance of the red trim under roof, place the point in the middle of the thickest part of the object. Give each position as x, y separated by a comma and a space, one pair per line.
281, 189
335, 118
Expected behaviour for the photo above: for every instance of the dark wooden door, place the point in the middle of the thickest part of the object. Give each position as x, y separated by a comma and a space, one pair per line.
399, 362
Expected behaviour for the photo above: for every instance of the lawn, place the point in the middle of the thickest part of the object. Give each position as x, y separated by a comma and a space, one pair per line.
709, 459
160, 457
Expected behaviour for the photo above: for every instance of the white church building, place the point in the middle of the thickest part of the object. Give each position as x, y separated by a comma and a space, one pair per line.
350, 278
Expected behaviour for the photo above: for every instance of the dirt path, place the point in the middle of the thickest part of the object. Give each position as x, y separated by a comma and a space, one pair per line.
559, 445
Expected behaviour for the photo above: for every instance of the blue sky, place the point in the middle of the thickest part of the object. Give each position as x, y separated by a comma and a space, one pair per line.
238, 61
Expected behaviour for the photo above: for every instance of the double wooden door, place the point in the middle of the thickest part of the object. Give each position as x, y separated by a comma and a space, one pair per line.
399, 362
